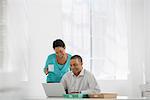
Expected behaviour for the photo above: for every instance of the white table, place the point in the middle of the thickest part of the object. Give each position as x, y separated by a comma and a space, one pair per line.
118, 98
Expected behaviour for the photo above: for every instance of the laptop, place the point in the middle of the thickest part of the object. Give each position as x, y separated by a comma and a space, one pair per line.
53, 89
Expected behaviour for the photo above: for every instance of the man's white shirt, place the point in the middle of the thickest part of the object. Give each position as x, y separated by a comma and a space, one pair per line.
85, 82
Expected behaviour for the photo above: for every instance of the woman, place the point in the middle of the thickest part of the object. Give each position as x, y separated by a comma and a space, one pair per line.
57, 64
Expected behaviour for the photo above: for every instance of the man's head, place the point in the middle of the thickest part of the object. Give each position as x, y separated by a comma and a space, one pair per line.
76, 64
59, 47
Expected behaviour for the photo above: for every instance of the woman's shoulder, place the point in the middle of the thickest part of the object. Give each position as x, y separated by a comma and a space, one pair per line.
69, 55
51, 56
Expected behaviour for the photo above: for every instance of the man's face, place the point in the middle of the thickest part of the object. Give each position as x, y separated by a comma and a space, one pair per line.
60, 51
76, 66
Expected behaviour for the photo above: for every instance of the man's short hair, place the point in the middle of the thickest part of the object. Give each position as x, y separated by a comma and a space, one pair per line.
77, 57
58, 43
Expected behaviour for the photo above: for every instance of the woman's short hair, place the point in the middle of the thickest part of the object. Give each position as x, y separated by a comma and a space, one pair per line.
58, 43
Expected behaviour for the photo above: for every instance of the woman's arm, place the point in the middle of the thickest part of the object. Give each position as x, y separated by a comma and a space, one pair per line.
46, 71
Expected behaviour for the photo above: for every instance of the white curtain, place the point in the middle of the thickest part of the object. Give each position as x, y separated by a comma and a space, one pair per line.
2, 31
16, 39
13, 48
97, 30
76, 28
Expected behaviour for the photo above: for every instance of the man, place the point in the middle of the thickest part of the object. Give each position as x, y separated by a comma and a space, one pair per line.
79, 80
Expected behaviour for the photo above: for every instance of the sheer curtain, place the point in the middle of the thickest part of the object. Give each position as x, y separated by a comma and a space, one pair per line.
97, 30
76, 28
13, 48
15, 45
2, 31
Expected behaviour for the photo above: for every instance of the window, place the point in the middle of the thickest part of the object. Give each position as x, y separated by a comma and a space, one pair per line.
97, 30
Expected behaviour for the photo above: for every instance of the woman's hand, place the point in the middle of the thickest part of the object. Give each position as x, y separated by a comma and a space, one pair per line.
46, 71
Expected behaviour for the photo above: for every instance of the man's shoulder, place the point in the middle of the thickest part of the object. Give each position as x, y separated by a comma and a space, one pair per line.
88, 73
